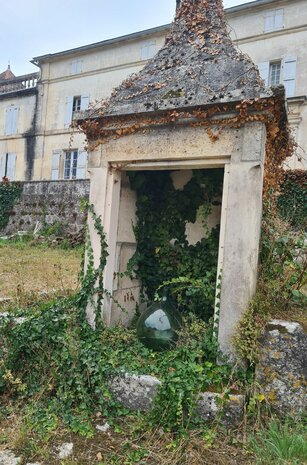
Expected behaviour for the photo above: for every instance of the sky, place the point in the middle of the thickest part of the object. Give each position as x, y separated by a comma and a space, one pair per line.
30, 28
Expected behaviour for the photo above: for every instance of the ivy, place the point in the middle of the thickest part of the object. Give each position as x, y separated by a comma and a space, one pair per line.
9, 193
292, 203
59, 366
164, 256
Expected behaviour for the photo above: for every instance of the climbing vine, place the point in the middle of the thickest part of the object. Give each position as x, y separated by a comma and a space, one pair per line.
164, 256
59, 366
9, 193
292, 203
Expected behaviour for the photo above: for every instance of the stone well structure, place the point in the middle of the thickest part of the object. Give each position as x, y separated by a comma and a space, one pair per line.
199, 103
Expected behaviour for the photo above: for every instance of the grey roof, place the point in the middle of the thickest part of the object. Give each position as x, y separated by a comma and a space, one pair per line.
139, 34
198, 65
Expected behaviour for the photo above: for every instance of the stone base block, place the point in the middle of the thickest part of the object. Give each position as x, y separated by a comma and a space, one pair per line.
282, 369
212, 406
139, 393
135, 392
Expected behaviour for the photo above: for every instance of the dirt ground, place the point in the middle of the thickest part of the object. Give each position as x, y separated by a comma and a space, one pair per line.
122, 445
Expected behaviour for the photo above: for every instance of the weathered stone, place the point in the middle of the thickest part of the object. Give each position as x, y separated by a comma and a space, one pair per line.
36, 463
103, 428
198, 65
65, 450
139, 393
7, 457
211, 406
48, 202
282, 368
135, 392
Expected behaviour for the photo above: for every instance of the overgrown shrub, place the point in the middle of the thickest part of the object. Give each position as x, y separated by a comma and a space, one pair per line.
56, 361
59, 365
9, 193
164, 255
281, 279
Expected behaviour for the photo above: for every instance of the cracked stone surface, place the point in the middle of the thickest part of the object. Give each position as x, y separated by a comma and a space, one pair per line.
211, 405
133, 391
282, 368
7, 457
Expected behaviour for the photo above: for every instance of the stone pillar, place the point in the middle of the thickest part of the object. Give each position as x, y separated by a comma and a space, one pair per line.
242, 215
105, 196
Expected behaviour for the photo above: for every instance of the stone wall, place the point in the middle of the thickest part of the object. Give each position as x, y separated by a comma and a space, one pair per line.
49, 202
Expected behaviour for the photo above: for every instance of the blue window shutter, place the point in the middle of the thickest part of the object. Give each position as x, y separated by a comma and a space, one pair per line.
55, 165
289, 75
11, 120
15, 118
8, 122
85, 101
3, 165
81, 165
264, 70
68, 111
11, 162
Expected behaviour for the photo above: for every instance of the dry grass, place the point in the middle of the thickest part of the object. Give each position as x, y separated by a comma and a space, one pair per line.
123, 446
30, 273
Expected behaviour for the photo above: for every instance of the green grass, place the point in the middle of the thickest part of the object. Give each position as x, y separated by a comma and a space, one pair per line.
281, 444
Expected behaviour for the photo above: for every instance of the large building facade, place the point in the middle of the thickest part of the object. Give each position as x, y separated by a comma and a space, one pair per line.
36, 110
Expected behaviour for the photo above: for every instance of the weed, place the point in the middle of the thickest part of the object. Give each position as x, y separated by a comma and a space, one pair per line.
281, 444
282, 277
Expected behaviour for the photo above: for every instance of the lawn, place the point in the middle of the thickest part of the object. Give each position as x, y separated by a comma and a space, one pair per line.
29, 272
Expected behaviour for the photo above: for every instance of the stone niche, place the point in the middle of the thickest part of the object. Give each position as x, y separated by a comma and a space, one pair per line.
198, 104
239, 153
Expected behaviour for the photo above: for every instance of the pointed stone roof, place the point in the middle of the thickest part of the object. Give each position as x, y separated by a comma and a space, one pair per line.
7, 75
198, 65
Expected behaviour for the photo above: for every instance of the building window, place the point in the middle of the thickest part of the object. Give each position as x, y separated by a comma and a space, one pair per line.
76, 106
275, 74
8, 162
148, 50
278, 72
11, 120
274, 20
75, 103
70, 164
76, 67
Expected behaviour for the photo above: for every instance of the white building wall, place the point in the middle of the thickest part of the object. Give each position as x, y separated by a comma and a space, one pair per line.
95, 70
15, 142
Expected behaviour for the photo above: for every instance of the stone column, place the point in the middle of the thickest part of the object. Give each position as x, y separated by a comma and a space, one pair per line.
105, 196
242, 217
